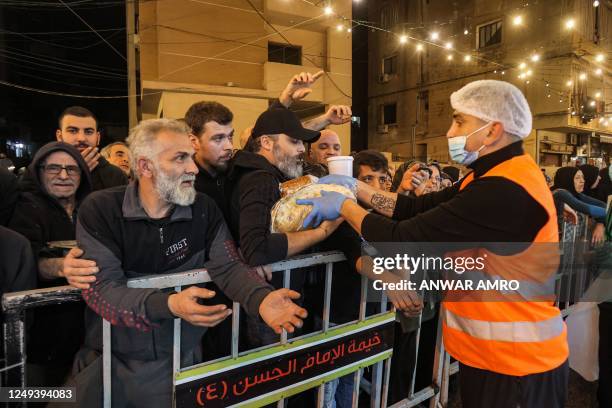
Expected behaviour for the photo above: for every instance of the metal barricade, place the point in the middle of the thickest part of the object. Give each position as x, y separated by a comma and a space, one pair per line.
15, 306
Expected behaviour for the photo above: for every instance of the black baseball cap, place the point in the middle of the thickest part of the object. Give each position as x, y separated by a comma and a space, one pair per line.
275, 121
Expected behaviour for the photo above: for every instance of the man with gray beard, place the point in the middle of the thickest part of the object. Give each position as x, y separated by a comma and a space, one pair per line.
273, 155
156, 225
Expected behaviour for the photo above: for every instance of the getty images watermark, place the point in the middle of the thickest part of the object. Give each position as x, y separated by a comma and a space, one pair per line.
490, 271
404, 264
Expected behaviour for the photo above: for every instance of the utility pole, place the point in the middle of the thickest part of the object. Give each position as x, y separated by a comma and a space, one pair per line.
131, 16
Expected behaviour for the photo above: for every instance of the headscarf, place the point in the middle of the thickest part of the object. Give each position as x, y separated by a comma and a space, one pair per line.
590, 173
564, 178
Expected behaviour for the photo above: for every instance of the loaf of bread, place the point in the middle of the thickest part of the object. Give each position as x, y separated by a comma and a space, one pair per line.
293, 185
288, 216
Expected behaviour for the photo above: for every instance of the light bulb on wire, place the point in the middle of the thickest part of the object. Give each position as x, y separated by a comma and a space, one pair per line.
517, 20
600, 58
570, 23
535, 58
448, 45
467, 58
434, 36
419, 47
403, 39
328, 11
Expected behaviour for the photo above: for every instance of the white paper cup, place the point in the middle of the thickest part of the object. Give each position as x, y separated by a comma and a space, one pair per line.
342, 165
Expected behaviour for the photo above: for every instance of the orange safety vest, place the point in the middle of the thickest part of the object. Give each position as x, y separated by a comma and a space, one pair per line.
511, 337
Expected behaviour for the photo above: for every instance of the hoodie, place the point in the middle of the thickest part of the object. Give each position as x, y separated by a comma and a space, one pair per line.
254, 191
40, 217
105, 175
57, 331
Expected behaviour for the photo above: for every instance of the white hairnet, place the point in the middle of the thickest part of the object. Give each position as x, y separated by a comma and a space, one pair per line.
497, 101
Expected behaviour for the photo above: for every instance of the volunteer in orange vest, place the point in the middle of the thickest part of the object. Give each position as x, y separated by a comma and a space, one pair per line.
511, 346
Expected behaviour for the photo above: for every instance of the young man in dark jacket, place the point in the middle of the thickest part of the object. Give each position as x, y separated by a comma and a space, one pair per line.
160, 225
44, 214
79, 127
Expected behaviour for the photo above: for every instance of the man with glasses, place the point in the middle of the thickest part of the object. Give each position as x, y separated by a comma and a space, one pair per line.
47, 213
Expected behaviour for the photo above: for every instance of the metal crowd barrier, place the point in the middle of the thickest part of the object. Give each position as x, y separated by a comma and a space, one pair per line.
574, 242
15, 305
574, 276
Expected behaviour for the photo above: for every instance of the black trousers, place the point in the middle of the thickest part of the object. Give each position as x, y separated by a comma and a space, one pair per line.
486, 389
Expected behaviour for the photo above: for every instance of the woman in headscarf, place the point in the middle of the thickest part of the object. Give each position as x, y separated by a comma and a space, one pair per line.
591, 179
568, 189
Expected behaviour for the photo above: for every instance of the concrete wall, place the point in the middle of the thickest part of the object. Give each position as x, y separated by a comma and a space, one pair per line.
193, 51
542, 32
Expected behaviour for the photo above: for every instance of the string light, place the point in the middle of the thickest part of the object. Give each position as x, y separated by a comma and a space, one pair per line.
466, 32
503, 72
582, 76
599, 58
328, 11
517, 20
592, 103
596, 3
522, 65
448, 45
597, 95
598, 71
435, 36
535, 58
349, 30
449, 57
403, 39
339, 27
419, 47
569, 83
529, 72
467, 58
570, 23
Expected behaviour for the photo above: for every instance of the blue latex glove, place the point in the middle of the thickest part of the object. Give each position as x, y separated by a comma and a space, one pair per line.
326, 207
345, 181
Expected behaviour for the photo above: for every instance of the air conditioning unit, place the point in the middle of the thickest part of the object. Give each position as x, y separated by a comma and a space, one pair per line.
383, 129
384, 78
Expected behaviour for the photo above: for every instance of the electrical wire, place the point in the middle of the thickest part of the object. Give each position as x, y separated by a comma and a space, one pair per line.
93, 30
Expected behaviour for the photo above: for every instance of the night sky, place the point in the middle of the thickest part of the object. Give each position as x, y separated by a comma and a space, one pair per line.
43, 45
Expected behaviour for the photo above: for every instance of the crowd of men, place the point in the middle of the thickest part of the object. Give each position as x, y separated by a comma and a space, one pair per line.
176, 195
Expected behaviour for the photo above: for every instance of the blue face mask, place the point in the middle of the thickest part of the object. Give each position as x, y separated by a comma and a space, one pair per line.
456, 148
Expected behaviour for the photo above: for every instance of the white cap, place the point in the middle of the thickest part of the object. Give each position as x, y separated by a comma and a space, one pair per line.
496, 101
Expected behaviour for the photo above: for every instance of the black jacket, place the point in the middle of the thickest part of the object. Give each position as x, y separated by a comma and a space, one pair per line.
114, 230
214, 187
105, 175
57, 331
254, 191
17, 270
8, 195
40, 217
489, 209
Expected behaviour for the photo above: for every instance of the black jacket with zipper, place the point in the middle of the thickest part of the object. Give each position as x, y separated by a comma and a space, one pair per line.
57, 331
